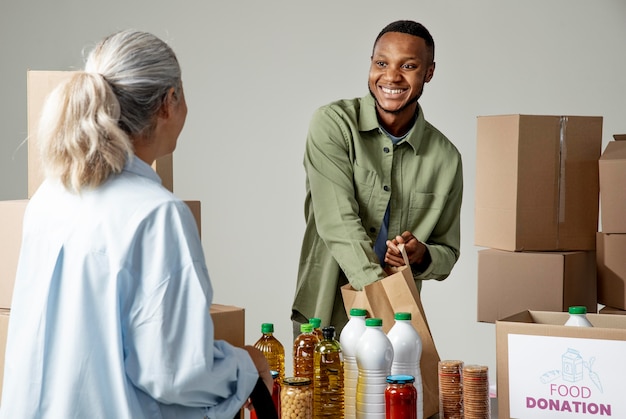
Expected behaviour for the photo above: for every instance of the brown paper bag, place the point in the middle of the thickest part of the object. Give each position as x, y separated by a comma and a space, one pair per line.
398, 293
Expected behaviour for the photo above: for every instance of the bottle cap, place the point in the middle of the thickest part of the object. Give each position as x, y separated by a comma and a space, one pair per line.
358, 312
400, 379
402, 316
578, 310
267, 328
316, 322
374, 322
328, 332
306, 328
274, 374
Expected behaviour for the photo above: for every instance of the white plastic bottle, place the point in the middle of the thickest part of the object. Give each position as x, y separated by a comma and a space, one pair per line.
349, 340
407, 351
374, 356
578, 317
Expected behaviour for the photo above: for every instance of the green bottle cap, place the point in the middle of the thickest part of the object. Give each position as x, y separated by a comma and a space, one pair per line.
374, 322
402, 316
358, 312
267, 328
578, 310
306, 328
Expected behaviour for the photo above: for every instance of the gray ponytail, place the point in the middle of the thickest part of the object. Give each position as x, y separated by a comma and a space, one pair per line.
89, 123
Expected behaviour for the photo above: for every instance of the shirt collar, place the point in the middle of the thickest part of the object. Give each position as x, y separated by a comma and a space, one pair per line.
139, 167
368, 122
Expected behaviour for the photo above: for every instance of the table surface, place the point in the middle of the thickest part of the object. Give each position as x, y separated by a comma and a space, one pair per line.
494, 410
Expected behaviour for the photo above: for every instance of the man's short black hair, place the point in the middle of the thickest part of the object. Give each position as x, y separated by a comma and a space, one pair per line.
412, 28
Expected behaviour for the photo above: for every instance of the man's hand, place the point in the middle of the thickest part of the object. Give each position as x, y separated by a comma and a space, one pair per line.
415, 250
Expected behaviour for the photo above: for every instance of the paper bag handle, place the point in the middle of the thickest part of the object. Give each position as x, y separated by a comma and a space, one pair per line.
404, 255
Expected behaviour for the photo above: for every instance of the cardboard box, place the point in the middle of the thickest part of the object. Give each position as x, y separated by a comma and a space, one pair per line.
612, 168
39, 86
11, 221
611, 310
229, 323
611, 261
547, 370
537, 183
4, 330
509, 282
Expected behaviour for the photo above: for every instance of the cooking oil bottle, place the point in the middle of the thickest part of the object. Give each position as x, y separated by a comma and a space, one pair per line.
328, 378
273, 350
317, 329
304, 351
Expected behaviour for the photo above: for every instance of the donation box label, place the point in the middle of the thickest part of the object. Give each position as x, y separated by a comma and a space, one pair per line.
560, 377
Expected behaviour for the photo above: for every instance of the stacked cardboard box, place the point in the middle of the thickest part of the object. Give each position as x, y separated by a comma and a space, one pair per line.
229, 320
536, 213
611, 240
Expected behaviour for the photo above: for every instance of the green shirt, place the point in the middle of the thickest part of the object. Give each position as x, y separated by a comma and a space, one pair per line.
353, 171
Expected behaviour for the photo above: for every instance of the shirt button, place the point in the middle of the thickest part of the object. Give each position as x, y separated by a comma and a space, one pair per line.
386, 188
386, 149
372, 230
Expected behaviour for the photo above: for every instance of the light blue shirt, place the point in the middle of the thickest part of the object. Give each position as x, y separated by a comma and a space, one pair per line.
110, 312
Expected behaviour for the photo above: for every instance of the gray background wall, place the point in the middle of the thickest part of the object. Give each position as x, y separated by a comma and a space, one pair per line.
254, 72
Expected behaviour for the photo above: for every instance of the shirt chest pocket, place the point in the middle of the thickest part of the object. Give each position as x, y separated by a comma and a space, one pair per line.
426, 208
364, 183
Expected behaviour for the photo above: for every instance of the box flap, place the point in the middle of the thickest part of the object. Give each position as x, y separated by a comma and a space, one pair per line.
614, 150
619, 137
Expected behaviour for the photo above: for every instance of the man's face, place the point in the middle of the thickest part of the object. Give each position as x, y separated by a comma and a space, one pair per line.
400, 66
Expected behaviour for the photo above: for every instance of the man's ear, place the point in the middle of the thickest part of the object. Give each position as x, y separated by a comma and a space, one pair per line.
430, 72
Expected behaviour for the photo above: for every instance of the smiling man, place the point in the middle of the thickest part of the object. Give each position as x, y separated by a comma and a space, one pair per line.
378, 174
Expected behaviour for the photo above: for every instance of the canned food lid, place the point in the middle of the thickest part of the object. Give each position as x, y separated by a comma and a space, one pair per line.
374, 322
400, 379
297, 381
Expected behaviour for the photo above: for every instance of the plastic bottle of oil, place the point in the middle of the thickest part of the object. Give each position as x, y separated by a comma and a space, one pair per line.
304, 352
328, 379
273, 350
317, 327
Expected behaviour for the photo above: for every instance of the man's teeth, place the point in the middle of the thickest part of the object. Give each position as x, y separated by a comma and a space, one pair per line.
392, 91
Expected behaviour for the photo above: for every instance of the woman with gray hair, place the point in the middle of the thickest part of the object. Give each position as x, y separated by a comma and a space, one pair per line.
110, 312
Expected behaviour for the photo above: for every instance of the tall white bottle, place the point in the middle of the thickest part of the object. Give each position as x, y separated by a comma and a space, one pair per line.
349, 340
407, 351
374, 356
